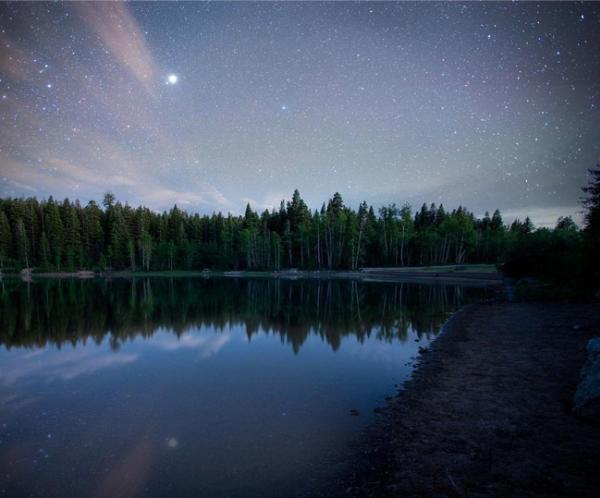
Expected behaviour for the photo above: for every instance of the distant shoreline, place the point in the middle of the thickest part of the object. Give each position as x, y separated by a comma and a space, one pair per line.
466, 274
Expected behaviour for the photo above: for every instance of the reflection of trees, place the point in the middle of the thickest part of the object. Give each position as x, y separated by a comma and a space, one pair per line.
69, 311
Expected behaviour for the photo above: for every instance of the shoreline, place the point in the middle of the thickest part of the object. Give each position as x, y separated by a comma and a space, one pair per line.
487, 411
424, 275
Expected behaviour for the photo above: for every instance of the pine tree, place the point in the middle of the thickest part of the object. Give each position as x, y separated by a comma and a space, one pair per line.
54, 227
145, 244
44, 252
592, 225
5, 239
92, 232
22, 243
592, 202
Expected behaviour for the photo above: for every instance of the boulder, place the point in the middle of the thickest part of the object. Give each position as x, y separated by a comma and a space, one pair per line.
587, 396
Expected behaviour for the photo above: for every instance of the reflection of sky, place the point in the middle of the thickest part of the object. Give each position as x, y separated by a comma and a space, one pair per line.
384, 352
207, 410
207, 343
70, 362
53, 364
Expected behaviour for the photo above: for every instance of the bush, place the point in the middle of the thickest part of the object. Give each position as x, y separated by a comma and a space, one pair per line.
550, 255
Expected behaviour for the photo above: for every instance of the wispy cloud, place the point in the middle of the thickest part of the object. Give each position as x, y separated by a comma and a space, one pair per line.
120, 33
269, 201
544, 216
104, 165
15, 60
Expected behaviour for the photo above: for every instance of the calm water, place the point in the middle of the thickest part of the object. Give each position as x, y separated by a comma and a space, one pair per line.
193, 387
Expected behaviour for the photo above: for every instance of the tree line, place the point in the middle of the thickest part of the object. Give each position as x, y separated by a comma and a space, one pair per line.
49, 235
66, 236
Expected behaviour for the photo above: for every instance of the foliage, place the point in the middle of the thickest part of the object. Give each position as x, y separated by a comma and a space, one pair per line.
553, 255
592, 225
65, 236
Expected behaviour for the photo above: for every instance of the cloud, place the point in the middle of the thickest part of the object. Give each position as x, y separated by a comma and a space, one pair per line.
14, 60
544, 216
162, 198
120, 33
104, 165
269, 201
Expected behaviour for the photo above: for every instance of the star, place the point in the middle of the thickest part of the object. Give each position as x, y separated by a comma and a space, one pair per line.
232, 103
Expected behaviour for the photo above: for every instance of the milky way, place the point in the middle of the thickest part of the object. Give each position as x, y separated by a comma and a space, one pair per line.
214, 105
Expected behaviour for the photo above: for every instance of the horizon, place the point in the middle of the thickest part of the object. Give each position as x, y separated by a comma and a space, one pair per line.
213, 106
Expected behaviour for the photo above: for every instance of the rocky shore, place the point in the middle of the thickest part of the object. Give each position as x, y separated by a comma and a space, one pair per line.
488, 411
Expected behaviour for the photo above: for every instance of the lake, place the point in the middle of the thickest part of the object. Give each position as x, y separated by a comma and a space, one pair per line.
200, 387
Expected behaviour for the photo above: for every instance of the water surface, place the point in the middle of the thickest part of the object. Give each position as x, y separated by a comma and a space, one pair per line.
194, 387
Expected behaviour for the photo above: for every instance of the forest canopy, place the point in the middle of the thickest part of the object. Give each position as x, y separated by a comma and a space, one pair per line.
66, 236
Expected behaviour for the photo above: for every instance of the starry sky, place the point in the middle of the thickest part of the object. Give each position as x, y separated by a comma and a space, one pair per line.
212, 105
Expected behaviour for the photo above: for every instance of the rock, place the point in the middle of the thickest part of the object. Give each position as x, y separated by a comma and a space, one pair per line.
587, 396
592, 365
593, 346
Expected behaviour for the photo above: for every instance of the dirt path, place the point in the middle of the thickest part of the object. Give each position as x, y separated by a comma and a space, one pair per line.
488, 411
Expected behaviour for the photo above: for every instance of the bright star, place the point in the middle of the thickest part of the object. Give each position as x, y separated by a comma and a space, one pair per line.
172, 79
284, 107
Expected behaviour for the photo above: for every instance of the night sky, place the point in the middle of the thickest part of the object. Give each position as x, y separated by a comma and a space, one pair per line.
212, 105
